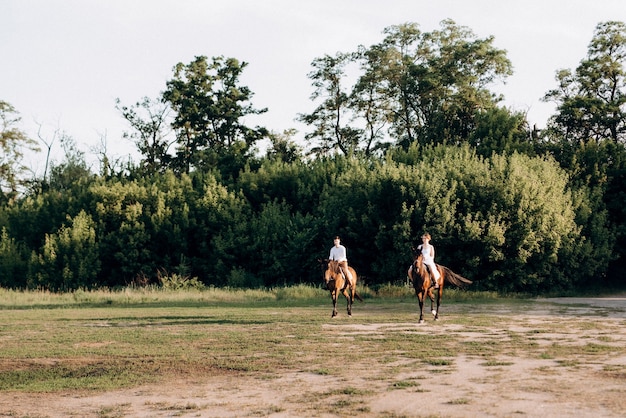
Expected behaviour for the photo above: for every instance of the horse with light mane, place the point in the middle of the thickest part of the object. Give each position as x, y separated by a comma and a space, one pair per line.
337, 283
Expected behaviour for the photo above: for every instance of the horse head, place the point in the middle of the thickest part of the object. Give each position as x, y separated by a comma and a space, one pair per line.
418, 262
417, 258
330, 268
333, 266
333, 272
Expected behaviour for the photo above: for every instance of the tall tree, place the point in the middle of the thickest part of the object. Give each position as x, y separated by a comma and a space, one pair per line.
66, 175
499, 130
370, 100
283, 147
13, 144
209, 107
396, 66
588, 133
149, 119
332, 117
591, 101
419, 86
436, 82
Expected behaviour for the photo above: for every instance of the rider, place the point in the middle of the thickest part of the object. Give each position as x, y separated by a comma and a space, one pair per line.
339, 253
428, 252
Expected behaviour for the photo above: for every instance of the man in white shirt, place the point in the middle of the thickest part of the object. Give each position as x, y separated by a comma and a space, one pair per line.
339, 253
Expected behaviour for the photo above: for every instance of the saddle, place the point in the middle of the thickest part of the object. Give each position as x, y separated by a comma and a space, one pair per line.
343, 275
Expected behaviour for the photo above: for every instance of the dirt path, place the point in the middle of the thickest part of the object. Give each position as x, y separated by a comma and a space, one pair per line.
585, 384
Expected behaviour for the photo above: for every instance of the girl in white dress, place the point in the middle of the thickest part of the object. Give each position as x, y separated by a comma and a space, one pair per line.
428, 252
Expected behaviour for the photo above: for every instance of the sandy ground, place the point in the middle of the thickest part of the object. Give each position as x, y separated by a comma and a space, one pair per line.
505, 387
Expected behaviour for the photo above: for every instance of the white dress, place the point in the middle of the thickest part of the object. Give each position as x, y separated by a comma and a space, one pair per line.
429, 261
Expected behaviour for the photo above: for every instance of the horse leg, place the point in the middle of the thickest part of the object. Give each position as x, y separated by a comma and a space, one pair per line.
334, 295
439, 294
432, 304
352, 296
420, 299
349, 301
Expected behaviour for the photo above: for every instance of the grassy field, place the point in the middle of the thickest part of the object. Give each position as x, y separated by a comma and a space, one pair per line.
103, 340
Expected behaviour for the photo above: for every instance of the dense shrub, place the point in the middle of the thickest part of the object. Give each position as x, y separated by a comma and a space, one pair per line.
509, 222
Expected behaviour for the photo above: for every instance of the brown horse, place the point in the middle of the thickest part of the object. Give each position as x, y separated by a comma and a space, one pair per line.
420, 277
337, 283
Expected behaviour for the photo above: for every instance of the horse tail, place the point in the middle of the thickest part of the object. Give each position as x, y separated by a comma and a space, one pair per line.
356, 295
454, 278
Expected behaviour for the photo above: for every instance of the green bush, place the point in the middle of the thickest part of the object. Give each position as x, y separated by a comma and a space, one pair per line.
13, 263
510, 223
175, 281
69, 258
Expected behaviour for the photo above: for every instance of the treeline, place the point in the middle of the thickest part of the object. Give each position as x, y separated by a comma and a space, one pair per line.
417, 143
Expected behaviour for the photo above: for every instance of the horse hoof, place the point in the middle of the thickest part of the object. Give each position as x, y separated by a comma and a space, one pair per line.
421, 321
434, 312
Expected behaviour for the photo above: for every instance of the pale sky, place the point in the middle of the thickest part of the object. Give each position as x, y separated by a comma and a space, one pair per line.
64, 62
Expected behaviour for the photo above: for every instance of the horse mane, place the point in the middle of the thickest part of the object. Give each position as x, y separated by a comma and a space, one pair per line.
419, 264
333, 266
417, 255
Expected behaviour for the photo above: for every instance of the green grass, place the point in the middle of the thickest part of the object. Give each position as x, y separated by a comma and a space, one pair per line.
103, 339
24, 299
403, 384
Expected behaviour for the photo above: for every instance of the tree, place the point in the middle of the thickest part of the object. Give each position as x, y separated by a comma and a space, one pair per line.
591, 101
329, 118
72, 171
417, 86
48, 143
370, 100
209, 106
149, 119
498, 130
13, 144
588, 134
395, 65
283, 148
435, 82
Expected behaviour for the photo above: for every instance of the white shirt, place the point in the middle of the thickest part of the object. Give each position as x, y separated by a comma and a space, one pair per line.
338, 253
